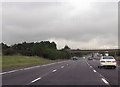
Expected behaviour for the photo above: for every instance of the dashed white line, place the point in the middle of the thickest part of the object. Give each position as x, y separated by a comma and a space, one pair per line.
87, 63
105, 81
62, 66
28, 68
103, 78
54, 70
90, 66
94, 70
36, 80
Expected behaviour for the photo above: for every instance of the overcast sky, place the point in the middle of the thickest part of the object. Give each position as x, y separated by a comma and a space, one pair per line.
82, 25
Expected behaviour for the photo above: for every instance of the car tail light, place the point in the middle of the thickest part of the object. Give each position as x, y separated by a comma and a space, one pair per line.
114, 61
102, 61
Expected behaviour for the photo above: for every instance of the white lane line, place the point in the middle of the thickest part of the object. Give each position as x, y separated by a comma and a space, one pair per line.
18, 70
94, 70
9, 72
21, 69
90, 66
105, 81
87, 63
54, 70
67, 64
31, 67
62, 66
49, 64
36, 80
103, 78
28, 68
59, 62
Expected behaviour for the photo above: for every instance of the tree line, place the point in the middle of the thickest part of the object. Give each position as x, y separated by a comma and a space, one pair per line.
43, 49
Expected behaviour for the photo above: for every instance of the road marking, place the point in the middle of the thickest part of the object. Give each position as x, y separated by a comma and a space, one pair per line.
90, 66
105, 81
99, 74
19, 70
87, 63
9, 72
31, 67
62, 66
49, 64
28, 68
67, 64
36, 80
59, 62
54, 70
94, 70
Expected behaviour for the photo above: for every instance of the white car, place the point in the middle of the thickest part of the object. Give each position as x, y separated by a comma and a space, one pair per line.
107, 61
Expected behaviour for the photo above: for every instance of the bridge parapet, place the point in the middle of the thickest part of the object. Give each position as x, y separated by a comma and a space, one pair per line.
93, 50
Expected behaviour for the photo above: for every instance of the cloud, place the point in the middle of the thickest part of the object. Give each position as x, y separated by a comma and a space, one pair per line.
90, 26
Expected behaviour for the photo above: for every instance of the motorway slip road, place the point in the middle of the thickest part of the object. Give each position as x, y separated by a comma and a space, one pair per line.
78, 72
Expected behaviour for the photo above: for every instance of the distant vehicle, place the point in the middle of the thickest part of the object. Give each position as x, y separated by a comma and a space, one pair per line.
74, 58
107, 61
84, 57
96, 58
90, 58
106, 54
101, 54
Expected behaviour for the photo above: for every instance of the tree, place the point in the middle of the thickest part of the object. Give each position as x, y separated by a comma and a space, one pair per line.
44, 49
66, 47
4, 46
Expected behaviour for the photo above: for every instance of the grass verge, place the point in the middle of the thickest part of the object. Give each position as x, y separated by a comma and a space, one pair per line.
10, 61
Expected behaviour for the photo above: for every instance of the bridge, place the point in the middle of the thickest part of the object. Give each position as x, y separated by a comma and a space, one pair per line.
92, 50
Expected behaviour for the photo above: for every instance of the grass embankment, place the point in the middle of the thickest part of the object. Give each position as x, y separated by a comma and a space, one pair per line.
10, 61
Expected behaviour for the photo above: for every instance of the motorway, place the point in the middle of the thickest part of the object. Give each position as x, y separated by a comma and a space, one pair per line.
77, 72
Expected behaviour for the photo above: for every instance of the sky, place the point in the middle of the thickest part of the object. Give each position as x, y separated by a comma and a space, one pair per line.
78, 24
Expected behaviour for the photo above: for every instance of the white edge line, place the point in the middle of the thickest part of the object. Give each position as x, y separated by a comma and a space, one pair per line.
26, 68
19, 70
29, 68
9, 72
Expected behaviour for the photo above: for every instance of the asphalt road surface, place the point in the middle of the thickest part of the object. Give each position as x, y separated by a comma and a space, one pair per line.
77, 72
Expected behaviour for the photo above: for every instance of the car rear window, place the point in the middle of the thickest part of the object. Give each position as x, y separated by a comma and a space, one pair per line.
108, 58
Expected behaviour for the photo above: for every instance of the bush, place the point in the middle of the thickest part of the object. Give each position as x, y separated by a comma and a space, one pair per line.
55, 54
43, 49
9, 52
